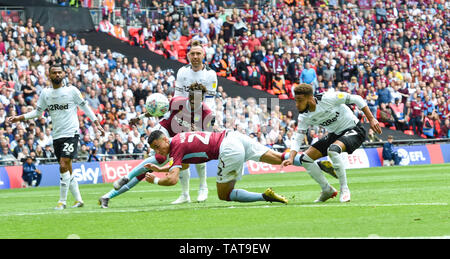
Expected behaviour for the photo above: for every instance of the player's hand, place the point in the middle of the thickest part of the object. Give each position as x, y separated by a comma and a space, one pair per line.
149, 177
134, 121
152, 167
99, 128
12, 119
287, 162
375, 126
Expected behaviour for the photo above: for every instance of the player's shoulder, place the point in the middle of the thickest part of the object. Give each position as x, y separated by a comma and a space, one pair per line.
185, 68
45, 91
180, 100
208, 68
70, 88
206, 110
210, 71
331, 96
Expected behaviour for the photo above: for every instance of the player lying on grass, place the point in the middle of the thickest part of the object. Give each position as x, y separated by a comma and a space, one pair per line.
231, 148
185, 114
345, 134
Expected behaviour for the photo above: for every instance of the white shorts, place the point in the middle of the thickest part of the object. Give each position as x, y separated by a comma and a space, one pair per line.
235, 150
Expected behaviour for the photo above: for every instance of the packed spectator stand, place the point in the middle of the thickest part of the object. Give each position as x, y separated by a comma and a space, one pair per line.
394, 54
389, 52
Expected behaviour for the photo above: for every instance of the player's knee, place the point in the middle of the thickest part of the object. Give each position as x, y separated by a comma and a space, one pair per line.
223, 196
305, 159
334, 150
64, 165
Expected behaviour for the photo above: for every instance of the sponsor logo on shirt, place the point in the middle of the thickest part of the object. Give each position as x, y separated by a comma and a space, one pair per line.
329, 121
56, 107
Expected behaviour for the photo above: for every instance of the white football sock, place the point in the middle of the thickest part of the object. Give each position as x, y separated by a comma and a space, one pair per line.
339, 167
185, 176
201, 171
73, 187
64, 186
314, 171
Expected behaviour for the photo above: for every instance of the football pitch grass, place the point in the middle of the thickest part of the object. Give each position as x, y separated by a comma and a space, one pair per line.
387, 202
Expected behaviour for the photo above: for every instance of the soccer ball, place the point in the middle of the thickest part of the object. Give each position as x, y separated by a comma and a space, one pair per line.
157, 105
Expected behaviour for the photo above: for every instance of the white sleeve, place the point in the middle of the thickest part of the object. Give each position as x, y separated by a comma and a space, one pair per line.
40, 108
212, 89
81, 102
299, 136
179, 86
358, 100
298, 141
346, 98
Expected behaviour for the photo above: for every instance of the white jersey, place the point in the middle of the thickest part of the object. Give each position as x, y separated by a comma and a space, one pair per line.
62, 105
331, 113
207, 77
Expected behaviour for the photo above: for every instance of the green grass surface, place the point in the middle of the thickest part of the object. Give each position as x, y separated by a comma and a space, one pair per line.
390, 202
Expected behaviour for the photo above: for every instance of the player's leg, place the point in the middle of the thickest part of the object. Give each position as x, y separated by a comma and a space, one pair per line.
308, 161
64, 170
203, 186
258, 152
184, 178
132, 179
230, 169
348, 142
138, 170
65, 150
334, 153
74, 188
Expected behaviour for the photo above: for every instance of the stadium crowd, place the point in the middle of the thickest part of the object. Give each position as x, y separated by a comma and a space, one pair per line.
397, 59
115, 88
389, 52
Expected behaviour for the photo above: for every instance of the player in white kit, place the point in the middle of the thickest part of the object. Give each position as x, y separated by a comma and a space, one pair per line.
196, 71
345, 134
61, 102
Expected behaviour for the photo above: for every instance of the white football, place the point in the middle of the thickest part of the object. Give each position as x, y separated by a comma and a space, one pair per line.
157, 105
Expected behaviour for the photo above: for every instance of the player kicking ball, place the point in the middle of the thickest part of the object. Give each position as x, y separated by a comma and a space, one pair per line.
345, 134
61, 102
231, 148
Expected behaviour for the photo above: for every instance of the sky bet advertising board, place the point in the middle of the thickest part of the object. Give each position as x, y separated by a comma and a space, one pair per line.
108, 172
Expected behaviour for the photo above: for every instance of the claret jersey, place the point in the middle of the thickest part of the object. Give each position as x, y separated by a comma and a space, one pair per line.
195, 147
181, 118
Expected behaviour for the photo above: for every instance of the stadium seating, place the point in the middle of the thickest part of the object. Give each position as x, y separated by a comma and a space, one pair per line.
336, 46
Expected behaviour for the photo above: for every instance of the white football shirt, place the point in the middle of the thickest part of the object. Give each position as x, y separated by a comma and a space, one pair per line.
207, 77
62, 105
331, 113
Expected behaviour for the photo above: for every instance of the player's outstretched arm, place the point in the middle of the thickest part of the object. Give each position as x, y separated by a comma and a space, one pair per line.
362, 105
14, 119
27, 116
170, 179
135, 121
156, 168
374, 124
